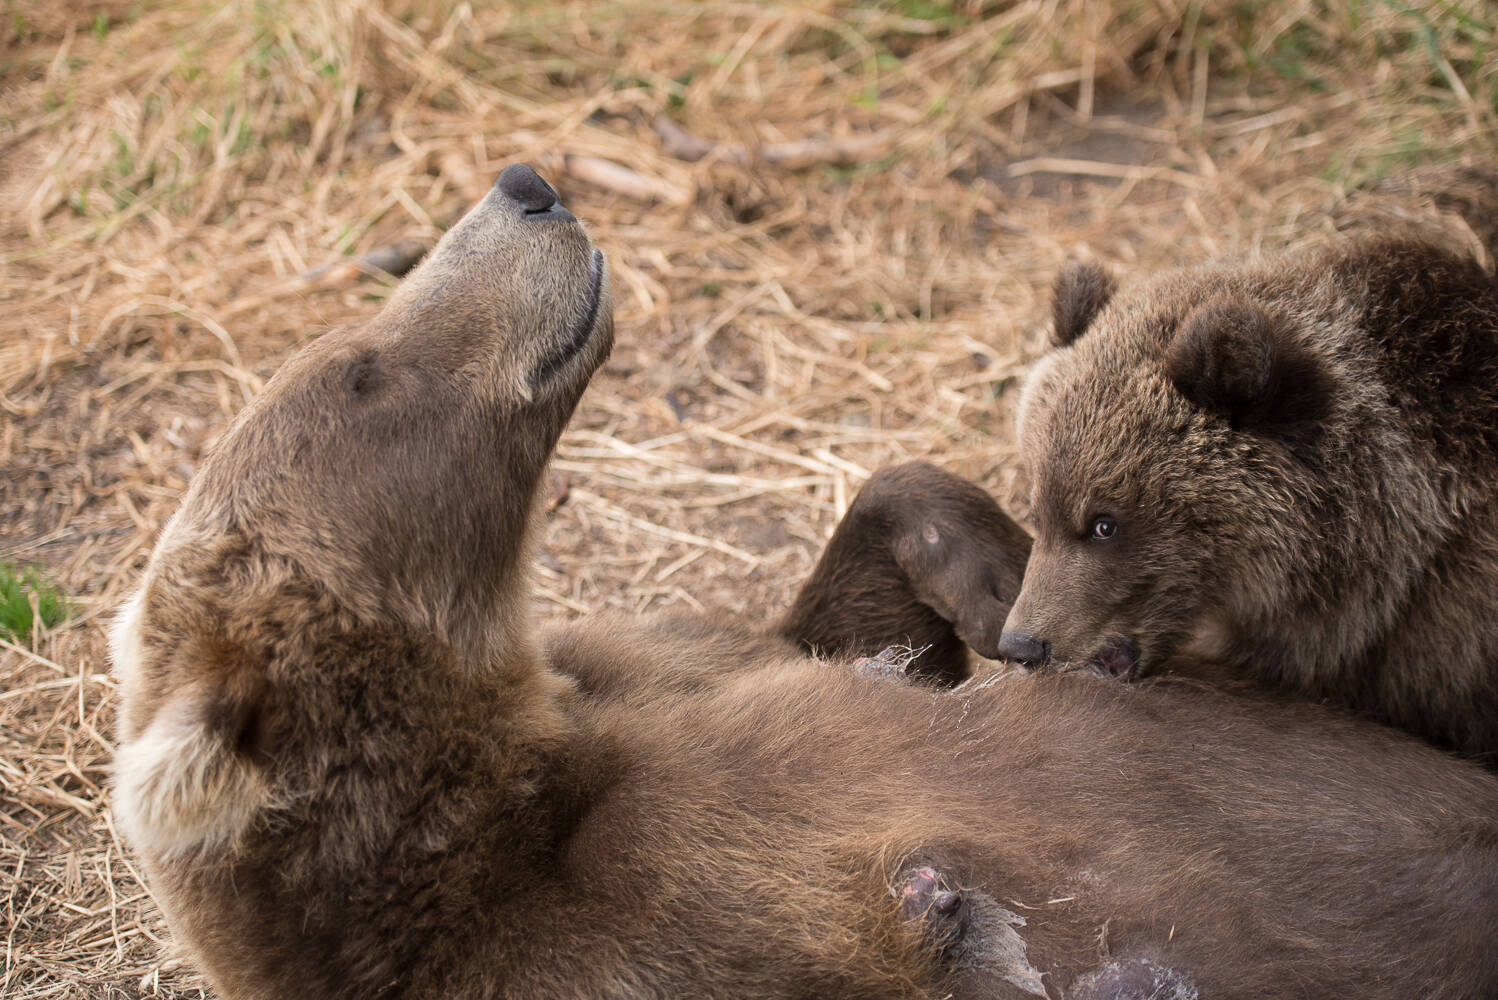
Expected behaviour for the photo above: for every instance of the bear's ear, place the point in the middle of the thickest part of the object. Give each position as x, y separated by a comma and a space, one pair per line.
1233, 358
1078, 295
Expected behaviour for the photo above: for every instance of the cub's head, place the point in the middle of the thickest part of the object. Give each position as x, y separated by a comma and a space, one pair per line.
382, 481
1155, 435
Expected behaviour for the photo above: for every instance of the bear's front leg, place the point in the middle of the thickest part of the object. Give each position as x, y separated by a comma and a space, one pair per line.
922, 559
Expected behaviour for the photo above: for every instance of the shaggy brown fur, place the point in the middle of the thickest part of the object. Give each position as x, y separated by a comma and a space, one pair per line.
1289, 468
351, 771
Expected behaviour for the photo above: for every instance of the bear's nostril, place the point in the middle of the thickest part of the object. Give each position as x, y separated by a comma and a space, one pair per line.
523, 185
1024, 649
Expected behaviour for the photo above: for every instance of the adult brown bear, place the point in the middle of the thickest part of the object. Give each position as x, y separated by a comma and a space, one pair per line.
1288, 468
353, 769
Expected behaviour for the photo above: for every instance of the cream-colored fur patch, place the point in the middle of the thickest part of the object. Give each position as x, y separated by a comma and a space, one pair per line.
1030, 386
178, 787
1211, 637
124, 638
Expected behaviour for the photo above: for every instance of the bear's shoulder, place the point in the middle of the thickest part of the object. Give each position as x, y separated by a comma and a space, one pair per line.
1427, 318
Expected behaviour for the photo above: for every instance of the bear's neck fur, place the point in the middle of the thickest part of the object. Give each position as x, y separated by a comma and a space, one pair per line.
385, 753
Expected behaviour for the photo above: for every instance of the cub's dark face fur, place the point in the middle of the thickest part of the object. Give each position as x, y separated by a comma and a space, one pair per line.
1267, 465
1135, 435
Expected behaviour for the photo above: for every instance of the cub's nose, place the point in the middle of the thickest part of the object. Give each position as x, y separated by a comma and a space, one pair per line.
538, 199
1024, 649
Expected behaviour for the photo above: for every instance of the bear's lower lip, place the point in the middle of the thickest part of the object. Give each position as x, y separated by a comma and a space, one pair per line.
564, 351
1119, 659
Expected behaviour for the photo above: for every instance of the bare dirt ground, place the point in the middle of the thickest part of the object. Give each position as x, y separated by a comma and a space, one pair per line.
831, 228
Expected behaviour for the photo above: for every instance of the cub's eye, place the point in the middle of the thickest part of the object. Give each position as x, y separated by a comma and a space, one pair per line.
1103, 528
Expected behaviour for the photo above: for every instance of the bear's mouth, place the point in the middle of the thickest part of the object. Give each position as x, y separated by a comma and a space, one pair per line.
1119, 659
563, 352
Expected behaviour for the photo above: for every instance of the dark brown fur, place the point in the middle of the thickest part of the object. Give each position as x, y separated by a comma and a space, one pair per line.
351, 770
923, 559
1299, 459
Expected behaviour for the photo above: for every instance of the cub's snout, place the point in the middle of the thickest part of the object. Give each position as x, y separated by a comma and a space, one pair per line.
1024, 649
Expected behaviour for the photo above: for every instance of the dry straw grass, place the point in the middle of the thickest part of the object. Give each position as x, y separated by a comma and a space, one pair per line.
831, 254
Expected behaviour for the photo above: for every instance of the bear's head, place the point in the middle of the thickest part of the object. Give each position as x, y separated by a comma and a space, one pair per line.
382, 481
1155, 435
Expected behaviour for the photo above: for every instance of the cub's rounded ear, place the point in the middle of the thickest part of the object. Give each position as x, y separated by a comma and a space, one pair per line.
1234, 358
1077, 296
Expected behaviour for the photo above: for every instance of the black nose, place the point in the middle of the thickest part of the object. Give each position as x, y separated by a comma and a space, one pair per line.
523, 185
1024, 649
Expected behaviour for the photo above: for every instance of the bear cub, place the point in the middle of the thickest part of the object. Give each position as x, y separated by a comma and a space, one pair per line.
1287, 469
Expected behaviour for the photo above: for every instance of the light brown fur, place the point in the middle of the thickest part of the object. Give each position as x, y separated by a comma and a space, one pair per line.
352, 769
